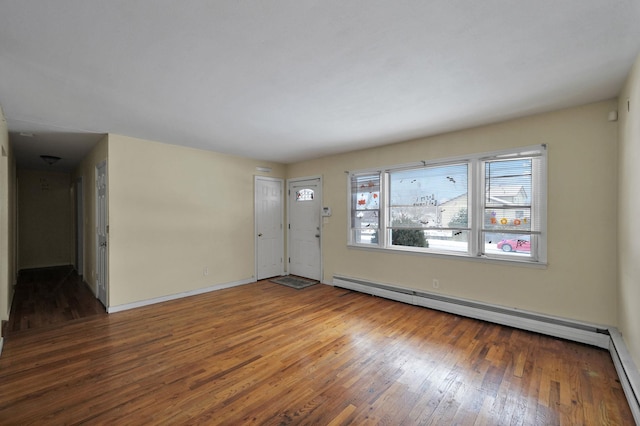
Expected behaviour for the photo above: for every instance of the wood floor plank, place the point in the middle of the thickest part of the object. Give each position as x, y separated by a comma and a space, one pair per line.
50, 296
268, 354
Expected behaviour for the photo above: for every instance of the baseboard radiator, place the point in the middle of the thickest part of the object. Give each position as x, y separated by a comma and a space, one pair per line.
603, 337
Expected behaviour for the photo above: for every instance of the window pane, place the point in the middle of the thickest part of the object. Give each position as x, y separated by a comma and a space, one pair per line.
508, 183
507, 219
365, 208
429, 197
516, 245
365, 236
439, 240
449, 240
304, 195
365, 219
409, 238
365, 191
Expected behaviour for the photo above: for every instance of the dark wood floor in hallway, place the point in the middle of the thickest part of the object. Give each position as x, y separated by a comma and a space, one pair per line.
49, 296
268, 354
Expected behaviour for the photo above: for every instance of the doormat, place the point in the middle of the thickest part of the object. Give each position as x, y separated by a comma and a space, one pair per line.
294, 282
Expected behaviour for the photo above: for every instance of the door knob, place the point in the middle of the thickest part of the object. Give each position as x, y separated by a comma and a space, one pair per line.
260, 234
317, 235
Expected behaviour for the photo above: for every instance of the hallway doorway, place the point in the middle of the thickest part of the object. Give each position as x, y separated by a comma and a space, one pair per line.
46, 297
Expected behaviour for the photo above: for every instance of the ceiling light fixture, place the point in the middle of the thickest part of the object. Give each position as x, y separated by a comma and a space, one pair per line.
50, 159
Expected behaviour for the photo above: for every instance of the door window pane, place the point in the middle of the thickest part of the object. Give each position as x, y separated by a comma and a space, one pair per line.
304, 194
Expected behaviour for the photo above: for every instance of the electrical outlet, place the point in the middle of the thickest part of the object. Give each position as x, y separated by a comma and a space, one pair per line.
436, 283
205, 271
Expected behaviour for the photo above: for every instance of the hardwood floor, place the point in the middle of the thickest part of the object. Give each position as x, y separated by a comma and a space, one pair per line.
50, 296
267, 354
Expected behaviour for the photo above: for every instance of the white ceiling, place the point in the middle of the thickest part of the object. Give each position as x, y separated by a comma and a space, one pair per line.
287, 80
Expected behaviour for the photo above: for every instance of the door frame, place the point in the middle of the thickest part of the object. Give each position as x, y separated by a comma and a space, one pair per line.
320, 186
97, 245
79, 192
256, 178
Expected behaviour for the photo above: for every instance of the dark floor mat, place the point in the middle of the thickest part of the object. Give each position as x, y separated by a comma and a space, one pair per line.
294, 282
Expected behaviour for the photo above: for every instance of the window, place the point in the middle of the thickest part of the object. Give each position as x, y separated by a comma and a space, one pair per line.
428, 207
490, 205
365, 208
304, 195
512, 204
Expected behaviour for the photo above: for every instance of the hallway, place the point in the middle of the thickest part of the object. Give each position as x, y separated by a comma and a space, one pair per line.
46, 297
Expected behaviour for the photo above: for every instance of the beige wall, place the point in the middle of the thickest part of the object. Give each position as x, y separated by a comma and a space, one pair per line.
174, 211
580, 280
628, 210
45, 234
7, 221
87, 170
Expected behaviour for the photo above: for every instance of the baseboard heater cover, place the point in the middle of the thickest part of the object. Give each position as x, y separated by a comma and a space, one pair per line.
558, 327
628, 373
603, 337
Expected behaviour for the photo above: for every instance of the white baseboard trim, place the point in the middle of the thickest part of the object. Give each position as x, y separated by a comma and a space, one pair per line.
591, 334
605, 337
628, 373
147, 302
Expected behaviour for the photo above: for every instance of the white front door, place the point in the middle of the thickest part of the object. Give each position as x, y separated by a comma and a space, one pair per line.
269, 227
101, 231
305, 200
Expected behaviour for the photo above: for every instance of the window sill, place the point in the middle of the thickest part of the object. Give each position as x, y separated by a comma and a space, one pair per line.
453, 256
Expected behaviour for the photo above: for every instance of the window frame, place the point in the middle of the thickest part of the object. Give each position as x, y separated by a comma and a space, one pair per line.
476, 208
352, 230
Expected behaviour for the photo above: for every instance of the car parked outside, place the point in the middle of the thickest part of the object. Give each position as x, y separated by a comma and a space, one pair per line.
515, 244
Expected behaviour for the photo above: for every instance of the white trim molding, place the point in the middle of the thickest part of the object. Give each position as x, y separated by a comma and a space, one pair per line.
147, 302
628, 372
605, 337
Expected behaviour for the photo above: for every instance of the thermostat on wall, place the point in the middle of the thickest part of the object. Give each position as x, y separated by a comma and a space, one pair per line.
326, 211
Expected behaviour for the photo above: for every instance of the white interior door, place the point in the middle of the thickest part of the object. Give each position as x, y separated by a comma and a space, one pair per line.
305, 201
79, 227
101, 231
269, 227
